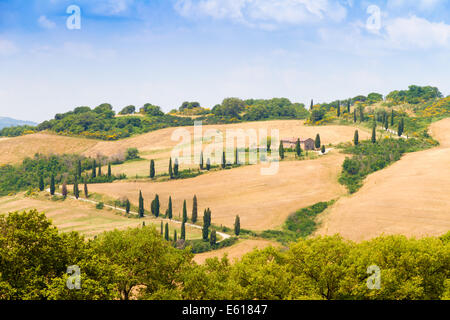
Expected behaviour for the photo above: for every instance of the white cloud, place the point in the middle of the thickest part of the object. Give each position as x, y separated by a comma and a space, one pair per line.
417, 32
419, 4
46, 23
263, 13
7, 47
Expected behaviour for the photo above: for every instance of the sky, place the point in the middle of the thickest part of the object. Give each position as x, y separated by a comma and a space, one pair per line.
165, 52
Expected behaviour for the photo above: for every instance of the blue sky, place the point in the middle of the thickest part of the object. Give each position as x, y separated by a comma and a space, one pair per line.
169, 51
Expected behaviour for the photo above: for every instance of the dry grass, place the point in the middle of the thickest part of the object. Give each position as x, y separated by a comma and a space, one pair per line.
262, 202
71, 215
13, 150
411, 197
235, 252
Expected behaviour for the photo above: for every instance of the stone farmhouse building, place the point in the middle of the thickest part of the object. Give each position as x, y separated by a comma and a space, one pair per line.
290, 143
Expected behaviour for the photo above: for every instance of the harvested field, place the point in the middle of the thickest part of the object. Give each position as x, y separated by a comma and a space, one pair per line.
262, 202
72, 215
13, 150
411, 197
235, 252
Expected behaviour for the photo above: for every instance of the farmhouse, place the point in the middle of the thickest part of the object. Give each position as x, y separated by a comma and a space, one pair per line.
290, 143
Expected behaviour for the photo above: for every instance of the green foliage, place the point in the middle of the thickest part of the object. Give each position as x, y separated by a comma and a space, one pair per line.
194, 210
237, 226
277, 108
414, 95
369, 157
139, 264
100, 205
132, 154
128, 110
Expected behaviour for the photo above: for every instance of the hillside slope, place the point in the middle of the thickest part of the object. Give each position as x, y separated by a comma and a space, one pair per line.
262, 202
411, 197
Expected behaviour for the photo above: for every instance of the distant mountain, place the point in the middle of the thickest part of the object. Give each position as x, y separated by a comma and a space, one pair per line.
9, 122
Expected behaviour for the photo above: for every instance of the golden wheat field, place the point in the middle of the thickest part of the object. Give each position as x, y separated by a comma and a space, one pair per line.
261, 201
72, 215
411, 197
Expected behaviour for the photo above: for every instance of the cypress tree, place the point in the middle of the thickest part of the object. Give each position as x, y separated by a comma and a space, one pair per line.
86, 192
281, 151
213, 238
175, 168
354, 116
64, 189
312, 104
170, 169
52, 185
205, 232
374, 132
201, 160
141, 205
224, 163
175, 236
401, 124
162, 228
152, 207
298, 148
356, 138
99, 169
237, 226
317, 142
348, 106
166, 233
386, 122
94, 169
339, 109
79, 168
152, 169
109, 170
236, 157
208, 164
194, 210
322, 149
169, 210
361, 114
183, 231
127, 206
157, 206
41, 183
392, 118
185, 216
76, 191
